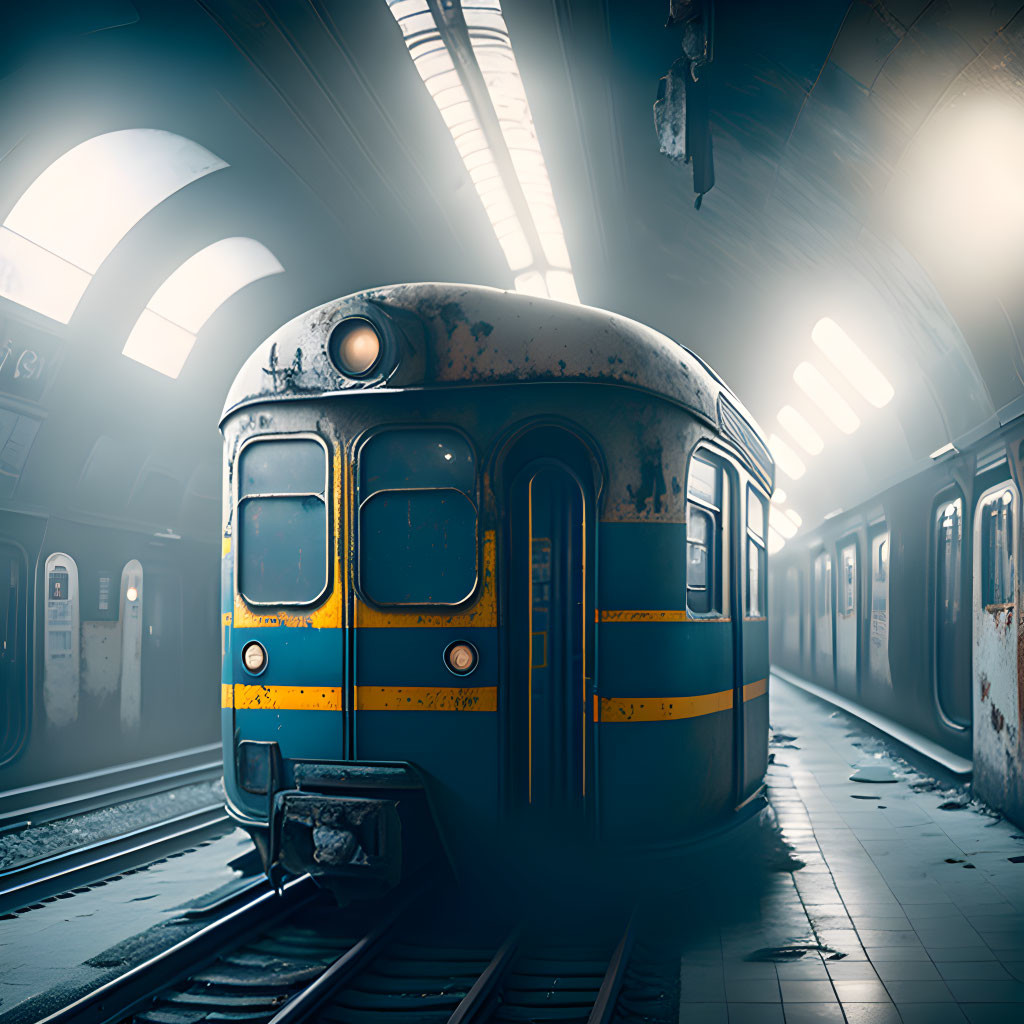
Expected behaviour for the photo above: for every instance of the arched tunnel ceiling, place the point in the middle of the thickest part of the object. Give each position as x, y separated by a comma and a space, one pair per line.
847, 186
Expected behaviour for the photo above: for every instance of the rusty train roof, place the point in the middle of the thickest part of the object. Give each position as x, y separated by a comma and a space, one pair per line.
444, 335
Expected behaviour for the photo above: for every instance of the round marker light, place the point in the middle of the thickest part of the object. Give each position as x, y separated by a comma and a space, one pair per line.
461, 657
354, 347
254, 657
132, 594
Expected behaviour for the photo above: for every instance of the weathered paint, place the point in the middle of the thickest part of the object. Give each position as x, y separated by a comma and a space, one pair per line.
998, 641
633, 450
660, 709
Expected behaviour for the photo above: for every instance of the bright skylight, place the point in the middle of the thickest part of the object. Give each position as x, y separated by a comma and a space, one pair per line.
831, 403
781, 524
806, 436
164, 334
852, 363
785, 458
546, 272
82, 205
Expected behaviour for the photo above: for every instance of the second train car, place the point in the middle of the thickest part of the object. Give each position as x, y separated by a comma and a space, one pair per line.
493, 567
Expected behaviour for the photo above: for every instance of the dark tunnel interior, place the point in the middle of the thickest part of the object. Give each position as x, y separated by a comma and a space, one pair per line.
569, 451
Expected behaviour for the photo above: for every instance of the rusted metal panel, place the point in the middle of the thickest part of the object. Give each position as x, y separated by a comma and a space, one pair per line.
477, 335
998, 657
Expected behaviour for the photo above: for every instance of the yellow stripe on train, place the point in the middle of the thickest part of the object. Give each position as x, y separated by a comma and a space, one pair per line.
249, 697
668, 709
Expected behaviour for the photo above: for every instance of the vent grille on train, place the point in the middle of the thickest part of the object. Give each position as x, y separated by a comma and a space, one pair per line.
735, 426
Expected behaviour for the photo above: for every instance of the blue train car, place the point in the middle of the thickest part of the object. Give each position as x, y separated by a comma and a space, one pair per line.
494, 570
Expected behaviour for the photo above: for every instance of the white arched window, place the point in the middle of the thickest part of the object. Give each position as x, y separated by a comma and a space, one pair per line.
164, 334
70, 218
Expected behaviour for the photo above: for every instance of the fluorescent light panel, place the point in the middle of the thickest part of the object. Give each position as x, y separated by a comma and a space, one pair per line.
806, 436
821, 392
164, 334
785, 458
548, 273
778, 496
944, 450
82, 205
781, 524
847, 356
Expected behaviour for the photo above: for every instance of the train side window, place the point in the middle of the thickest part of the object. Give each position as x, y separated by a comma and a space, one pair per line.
997, 549
756, 555
282, 520
948, 536
848, 585
704, 538
417, 517
822, 584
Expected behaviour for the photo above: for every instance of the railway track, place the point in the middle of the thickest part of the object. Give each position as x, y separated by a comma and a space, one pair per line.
42, 802
418, 958
40, 878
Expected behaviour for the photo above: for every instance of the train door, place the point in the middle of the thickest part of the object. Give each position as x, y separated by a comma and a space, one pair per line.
753, 689
550, 740
878, 630
822, 660
13, 652
847, 619
950, 654
714, 608
996, 680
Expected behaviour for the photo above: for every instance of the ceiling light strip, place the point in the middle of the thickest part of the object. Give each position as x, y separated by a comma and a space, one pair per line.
847, 356
466, 61
820, 391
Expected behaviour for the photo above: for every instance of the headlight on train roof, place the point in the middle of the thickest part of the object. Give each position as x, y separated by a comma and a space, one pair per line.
354, 347
254, 657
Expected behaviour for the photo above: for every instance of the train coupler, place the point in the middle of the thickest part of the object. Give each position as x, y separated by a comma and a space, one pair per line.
351, 845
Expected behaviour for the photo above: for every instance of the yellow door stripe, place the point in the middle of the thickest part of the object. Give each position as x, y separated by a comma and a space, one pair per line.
426, 698
752, 690
282, 698
667, 709
625, 615
250, 697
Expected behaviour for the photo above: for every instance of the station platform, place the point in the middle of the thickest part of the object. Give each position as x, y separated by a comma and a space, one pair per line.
54, 952
908, 906
871, 890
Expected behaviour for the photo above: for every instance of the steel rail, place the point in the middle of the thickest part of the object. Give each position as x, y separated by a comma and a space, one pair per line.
39, 878
26, 806
604, 1004
124, 995
476, 1003
305, 1003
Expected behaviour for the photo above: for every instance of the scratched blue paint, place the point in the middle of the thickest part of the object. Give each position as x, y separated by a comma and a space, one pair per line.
412, 656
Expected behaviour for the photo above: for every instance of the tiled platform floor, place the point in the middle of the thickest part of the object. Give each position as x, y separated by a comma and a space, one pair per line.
52, 954
925, 903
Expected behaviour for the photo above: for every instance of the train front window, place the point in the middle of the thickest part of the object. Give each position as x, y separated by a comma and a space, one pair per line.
704, 538
417, 542
282, 521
